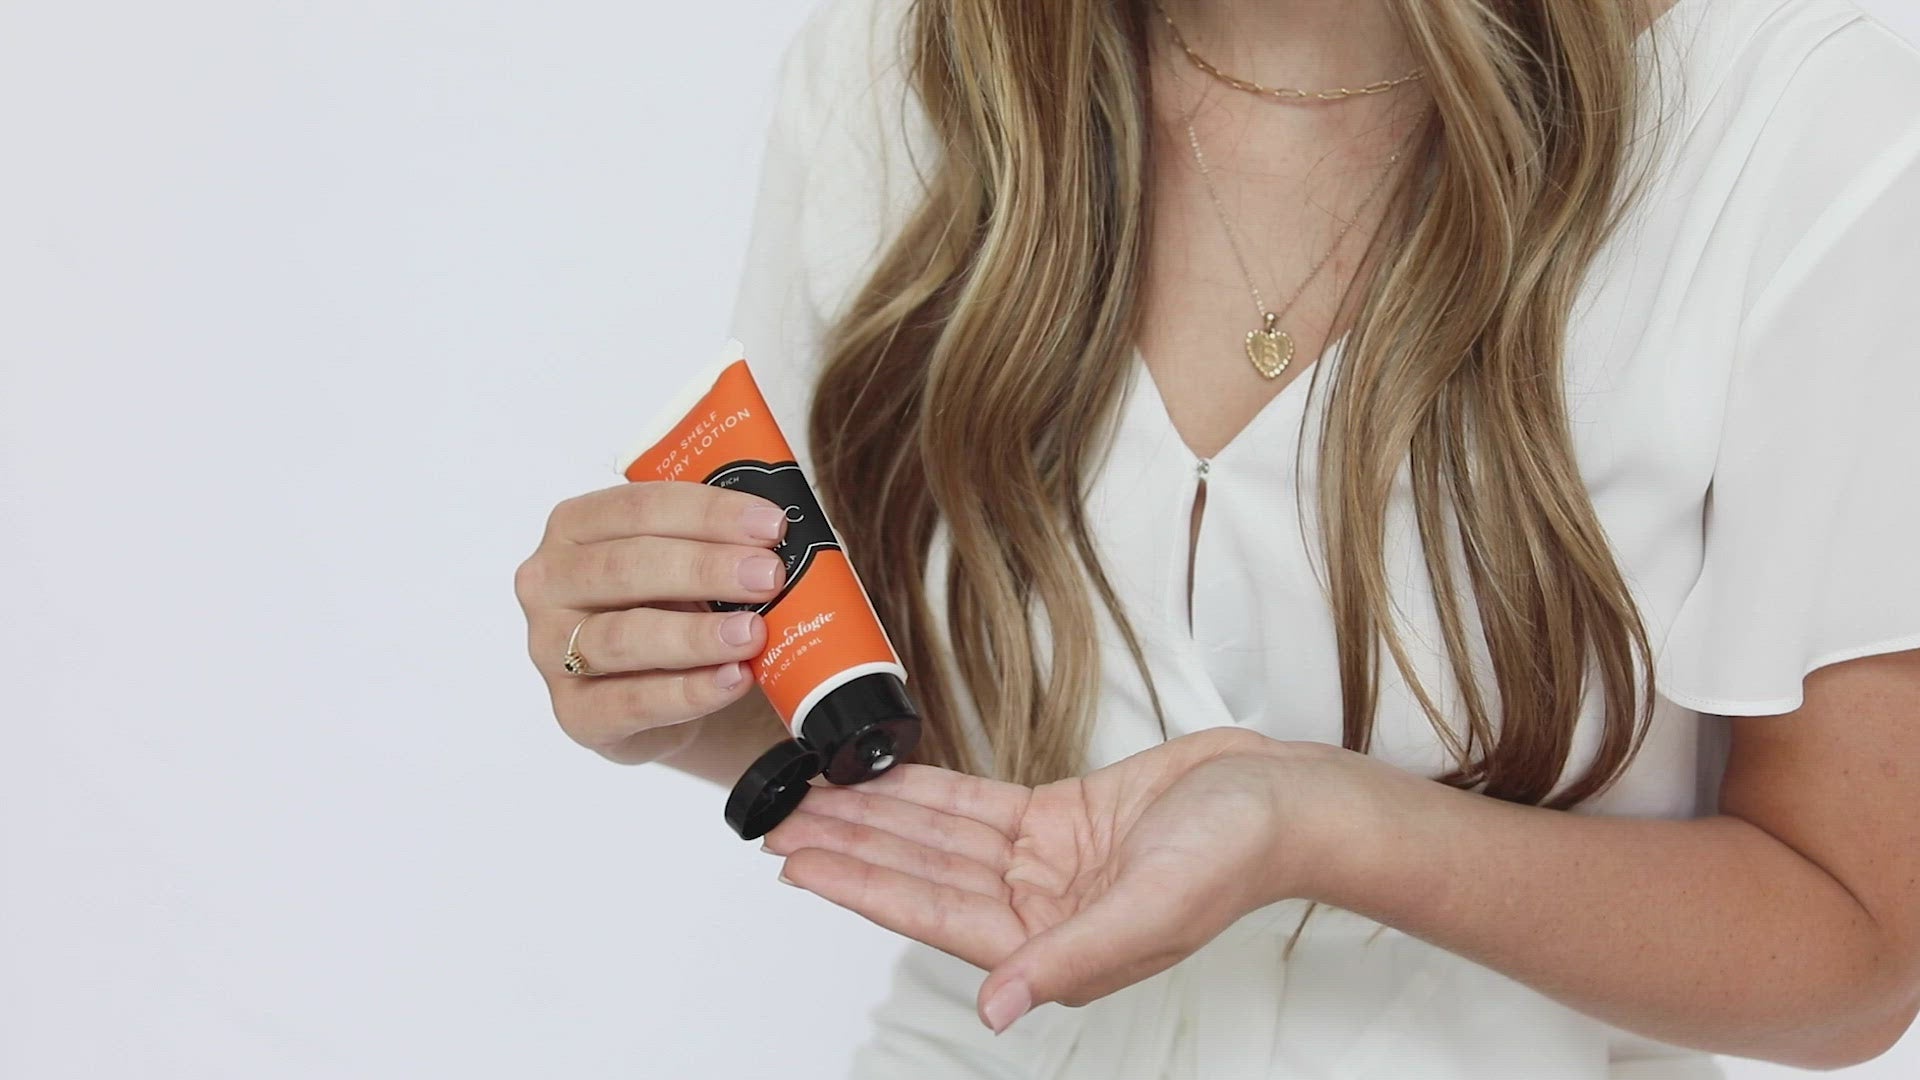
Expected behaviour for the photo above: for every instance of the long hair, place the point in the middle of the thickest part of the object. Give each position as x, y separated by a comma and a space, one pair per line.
971, 378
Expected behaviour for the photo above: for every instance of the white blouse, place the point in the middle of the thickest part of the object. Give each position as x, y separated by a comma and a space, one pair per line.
1742, 390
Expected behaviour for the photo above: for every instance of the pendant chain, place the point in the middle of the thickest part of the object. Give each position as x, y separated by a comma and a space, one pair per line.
1271, 318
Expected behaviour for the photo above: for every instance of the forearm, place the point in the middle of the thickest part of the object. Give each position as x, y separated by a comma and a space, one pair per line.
1707, 933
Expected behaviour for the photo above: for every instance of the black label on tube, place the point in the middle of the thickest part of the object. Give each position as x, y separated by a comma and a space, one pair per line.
782, 484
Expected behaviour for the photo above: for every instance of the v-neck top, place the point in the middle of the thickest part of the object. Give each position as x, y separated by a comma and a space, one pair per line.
1232, 575
1741, 385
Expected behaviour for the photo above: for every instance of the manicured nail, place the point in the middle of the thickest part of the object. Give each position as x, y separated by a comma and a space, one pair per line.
758, 572
737, 628
1009, 1003
765, 848
728, 676
788, 880
764, 522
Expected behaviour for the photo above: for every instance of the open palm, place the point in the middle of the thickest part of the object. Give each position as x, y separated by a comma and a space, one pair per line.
1073, 889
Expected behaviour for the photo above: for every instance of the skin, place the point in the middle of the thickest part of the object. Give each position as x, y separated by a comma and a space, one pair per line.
635, 557
1289, 175
1785, 926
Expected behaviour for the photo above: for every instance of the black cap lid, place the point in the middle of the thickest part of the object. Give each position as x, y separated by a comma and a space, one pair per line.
772, 786
863, 728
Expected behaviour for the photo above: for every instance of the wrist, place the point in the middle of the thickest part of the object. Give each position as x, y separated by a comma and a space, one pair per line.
1334, 837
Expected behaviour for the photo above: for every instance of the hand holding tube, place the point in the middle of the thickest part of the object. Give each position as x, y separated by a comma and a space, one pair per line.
828, 668
635, 561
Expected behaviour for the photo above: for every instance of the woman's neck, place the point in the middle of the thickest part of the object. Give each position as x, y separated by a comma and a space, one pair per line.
1311, 44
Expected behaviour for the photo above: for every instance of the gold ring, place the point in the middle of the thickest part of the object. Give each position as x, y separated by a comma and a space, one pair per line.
574, 662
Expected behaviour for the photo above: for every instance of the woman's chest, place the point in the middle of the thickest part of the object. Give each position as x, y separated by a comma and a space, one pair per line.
1256, 644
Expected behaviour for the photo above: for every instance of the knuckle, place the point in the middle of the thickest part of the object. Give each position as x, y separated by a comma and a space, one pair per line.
943, 914
1079, 989
644, 499
530, 579
946, 831
855, 836
710, 567
722, 511
867, 809
803, 828
638, 702
617, 562
706, 696
563, 512
620, 639
668, 699
700, 637
684, 696
932, 865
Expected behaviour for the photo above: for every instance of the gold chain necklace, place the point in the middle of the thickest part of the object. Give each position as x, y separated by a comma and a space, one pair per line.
1251, 87
1270, 349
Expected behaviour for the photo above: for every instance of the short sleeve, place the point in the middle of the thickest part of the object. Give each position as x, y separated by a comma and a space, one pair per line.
830, 191
1812, 520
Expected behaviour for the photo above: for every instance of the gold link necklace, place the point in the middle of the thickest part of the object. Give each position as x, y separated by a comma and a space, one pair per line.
1269, 348
1283, 92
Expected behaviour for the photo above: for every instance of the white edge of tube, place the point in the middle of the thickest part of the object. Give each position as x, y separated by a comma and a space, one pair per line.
675, 410
834, 682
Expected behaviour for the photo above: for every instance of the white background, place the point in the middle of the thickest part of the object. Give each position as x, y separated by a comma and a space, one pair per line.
308, 315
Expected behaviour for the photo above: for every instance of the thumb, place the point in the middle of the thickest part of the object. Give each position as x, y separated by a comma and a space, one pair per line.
1114, 942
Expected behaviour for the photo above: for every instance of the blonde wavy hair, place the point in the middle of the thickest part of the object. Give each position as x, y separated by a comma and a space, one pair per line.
970, 378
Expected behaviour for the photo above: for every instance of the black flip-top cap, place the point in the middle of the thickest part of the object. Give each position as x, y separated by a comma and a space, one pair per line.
772, 786
863, 728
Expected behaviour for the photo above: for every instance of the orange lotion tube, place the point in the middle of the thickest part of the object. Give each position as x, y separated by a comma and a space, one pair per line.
828, 668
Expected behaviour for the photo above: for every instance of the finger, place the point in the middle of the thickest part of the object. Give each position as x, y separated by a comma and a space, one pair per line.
991, 802
676, 508
645, 569
601, 713
923, 825
962, 924
1130, 932
801, 829
649, 639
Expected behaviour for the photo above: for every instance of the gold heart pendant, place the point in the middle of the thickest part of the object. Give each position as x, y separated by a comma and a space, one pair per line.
1269, 350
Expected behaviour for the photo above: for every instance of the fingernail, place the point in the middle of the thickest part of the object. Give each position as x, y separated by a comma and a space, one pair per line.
737, 628
1009, 1003
764, 522
788, 880
757, 572
728, 676
768, 850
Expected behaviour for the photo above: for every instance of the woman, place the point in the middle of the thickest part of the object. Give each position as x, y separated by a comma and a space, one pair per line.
1413, 579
